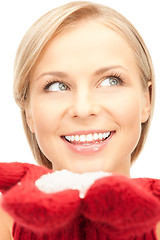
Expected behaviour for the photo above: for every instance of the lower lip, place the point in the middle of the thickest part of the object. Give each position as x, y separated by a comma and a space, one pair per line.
88, 149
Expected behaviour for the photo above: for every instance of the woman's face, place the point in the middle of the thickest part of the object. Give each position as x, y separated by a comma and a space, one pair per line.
87, 102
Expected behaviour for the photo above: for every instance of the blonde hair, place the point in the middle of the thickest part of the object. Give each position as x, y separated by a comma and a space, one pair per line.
54, 23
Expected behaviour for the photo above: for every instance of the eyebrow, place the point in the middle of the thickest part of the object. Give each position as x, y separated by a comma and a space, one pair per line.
105, 69
96, 73
56, 74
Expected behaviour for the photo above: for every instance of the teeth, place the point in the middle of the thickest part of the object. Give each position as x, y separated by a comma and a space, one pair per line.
76, 138
88, 138
105, 135
101, 136
95, 136
82, 138
72, 138
68, 138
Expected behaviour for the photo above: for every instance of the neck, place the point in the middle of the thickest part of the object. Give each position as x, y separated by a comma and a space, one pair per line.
123, 168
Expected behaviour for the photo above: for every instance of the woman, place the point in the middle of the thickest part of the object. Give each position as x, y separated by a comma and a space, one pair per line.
85, 84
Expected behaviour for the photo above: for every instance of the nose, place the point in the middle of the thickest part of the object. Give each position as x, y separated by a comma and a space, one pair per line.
84, 105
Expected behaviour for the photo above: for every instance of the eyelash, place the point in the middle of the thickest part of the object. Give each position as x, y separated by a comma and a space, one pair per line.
117, 75
50, 82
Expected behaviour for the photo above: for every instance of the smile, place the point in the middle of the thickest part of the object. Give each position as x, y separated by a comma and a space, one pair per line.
87, 139
89, 143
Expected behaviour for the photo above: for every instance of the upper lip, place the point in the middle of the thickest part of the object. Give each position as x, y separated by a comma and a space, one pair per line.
85, 132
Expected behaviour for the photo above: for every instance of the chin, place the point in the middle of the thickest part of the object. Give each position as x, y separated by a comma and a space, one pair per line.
87, 167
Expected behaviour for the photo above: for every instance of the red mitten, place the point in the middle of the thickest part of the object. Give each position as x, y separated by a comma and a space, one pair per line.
122, 206
32, 208
10, 174
112, 207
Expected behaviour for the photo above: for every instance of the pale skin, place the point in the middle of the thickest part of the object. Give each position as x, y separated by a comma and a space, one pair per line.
101, 92
85, 59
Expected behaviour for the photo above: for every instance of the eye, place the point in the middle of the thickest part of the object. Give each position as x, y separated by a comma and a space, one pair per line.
110, 81
56, 87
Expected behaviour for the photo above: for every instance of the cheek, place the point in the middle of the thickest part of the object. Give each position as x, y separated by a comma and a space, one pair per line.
128, 112
129, 120
126, 108
125, 111
46, 115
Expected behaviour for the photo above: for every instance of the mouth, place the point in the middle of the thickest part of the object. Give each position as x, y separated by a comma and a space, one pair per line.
88, 143
88, 139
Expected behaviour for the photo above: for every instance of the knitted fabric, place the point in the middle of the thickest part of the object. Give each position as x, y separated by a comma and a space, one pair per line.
114, 207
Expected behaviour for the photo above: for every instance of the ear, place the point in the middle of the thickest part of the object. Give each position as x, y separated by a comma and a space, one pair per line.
147, 103
29, 120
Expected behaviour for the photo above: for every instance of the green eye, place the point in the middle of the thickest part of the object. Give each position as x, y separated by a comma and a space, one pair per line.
63, 87
110, 81
56, 87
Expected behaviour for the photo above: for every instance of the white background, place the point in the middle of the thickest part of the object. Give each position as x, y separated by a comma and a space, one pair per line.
15, 18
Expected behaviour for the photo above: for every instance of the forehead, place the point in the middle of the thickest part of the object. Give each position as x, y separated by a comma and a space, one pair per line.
87, 44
